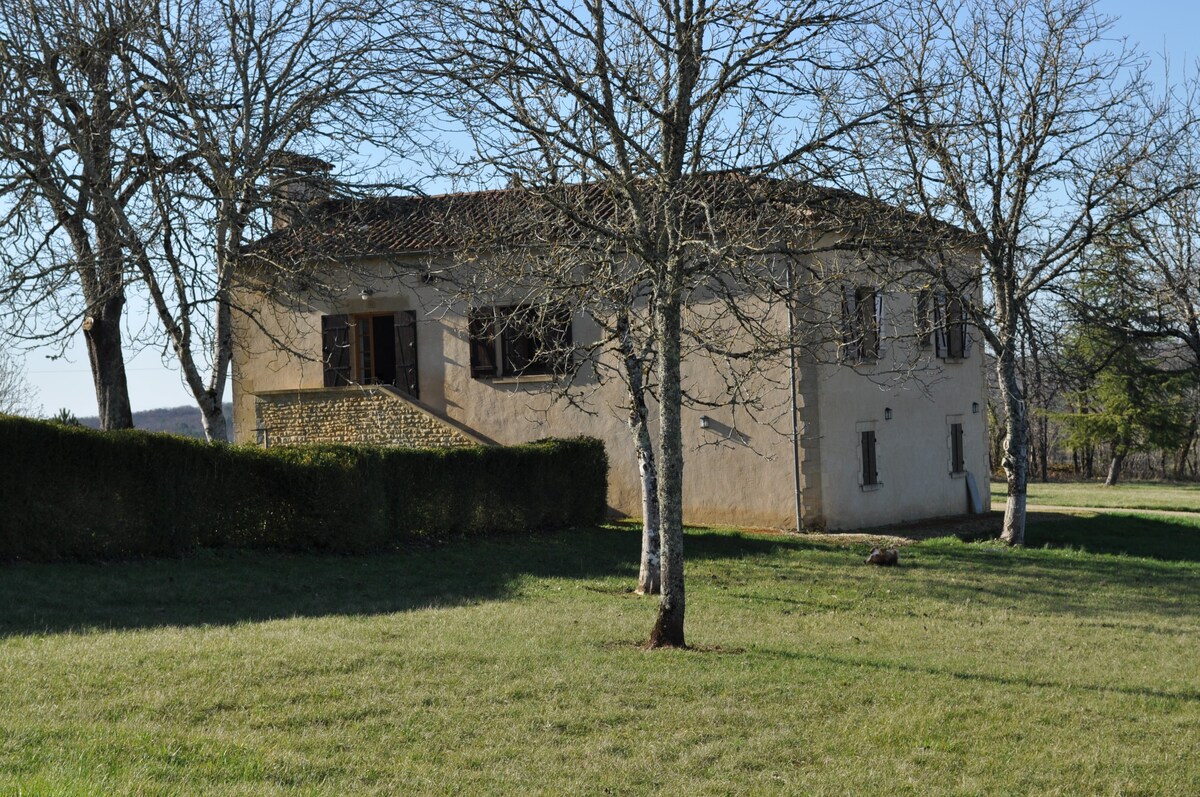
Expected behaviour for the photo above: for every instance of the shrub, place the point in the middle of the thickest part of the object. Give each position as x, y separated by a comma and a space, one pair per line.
72, 493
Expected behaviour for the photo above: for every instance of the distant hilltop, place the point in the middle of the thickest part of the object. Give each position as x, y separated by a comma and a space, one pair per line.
183, 421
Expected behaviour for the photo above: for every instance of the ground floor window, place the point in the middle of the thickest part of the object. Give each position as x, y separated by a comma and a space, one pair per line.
957, 461
870, 472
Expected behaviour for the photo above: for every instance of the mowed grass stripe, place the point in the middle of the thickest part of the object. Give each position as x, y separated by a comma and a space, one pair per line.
512, 666
1169, 496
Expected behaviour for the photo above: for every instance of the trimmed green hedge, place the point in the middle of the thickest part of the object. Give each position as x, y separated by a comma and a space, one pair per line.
69, 493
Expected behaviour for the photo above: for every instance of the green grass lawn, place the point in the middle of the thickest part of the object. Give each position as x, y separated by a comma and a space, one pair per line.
1130, 495
513, 667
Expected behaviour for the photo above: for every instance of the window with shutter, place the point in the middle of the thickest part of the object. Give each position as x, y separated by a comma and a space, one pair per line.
870, 472
519, 341
371, 349
957, 461
862, 323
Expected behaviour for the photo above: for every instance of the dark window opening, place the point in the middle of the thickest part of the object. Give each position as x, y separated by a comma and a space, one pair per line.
870, 473
519, 341
957, 462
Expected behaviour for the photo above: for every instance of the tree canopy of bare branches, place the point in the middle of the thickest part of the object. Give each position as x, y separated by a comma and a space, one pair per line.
64, 123
1025, 124
642, 101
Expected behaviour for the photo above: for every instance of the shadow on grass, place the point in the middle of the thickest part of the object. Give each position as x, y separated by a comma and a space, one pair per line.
217, 588
1162, 537
1093, 567
904, 668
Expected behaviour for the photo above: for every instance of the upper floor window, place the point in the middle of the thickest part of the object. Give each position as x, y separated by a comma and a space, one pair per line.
862, 323
371, 349
518, 340
941, 323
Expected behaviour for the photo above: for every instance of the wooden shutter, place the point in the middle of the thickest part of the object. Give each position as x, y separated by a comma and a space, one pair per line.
966, 329
849, 348
878, 348
335, 349
481, 328
956, 448
956, 329
406, 353
870, 474
939, 325
923, 318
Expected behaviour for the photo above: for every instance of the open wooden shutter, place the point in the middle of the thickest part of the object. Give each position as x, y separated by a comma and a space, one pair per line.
923, 318
406, 353
335, 349
966, 329
956, 329
481, 328
870, 474
879, 347
849, 348
939, 325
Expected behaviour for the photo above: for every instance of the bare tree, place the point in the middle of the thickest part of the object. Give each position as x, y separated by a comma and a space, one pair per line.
642, 101
16, 394
1018, 123
231, 88
63, 122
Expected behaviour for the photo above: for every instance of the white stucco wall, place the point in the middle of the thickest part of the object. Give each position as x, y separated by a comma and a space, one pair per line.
737, 471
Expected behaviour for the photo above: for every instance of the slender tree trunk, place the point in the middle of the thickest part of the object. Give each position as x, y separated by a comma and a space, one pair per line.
668, 628
1044, 444
1016, 449
1182, 460
102, 331
212, 418
1120, 450
650, 571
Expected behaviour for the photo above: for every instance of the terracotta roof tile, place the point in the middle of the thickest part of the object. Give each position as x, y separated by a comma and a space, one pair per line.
350, 228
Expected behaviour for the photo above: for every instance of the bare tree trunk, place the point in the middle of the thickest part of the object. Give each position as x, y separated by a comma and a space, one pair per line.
102, 331
1016, 449
212, 418
650, 571
668, 628
1120, 450
1182, 460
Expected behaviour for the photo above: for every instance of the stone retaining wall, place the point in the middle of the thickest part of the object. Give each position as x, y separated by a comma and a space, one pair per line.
357, 415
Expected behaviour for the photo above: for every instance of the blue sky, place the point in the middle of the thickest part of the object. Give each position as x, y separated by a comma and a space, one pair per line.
1160, 26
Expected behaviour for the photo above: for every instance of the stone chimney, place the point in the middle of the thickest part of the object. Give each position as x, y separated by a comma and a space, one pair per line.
298, 182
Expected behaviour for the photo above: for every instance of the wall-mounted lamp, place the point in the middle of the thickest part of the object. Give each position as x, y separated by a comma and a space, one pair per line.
887, 413
366, 293
705, 422
975, 407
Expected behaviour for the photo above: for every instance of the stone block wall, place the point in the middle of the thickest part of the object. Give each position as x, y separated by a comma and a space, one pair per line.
356, 415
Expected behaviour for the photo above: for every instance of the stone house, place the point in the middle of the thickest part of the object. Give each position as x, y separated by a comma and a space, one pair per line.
387, 359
